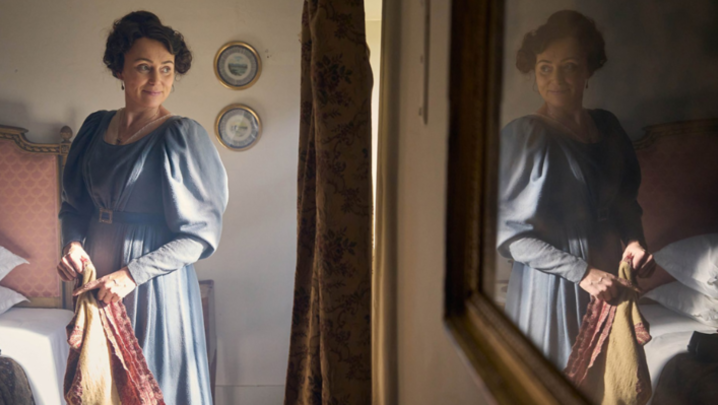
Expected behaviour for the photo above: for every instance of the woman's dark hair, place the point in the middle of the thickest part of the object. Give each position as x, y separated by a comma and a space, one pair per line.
143, 24
563, 24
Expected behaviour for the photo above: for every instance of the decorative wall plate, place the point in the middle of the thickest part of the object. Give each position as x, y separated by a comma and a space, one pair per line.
237, 65
238, 127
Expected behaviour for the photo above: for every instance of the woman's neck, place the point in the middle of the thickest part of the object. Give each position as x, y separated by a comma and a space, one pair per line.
137, 115
568, 116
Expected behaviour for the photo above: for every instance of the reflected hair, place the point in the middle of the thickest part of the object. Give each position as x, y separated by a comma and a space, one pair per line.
563, 24
143, 24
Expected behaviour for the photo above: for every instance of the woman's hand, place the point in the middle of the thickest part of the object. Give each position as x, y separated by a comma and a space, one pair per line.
641, 261
602, 285
70, 266
112, 287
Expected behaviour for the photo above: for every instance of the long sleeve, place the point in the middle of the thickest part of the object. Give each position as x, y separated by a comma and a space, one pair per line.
77, 206
194, 193
544, 257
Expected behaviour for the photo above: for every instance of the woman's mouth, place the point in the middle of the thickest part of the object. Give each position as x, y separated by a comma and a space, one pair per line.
153, 93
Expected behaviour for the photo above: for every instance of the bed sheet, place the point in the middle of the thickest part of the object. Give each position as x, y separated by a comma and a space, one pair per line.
670, 334
36, 339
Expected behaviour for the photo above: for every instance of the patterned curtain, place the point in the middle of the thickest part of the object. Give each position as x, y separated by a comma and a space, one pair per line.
330, 349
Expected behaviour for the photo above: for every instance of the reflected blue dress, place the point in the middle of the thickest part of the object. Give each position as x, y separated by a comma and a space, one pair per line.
174, 187
563, 205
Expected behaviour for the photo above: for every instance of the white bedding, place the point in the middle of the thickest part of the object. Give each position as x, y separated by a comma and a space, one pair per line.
37, 340
670, 334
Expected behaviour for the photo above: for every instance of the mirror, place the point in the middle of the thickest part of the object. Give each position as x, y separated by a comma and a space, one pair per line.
583, 132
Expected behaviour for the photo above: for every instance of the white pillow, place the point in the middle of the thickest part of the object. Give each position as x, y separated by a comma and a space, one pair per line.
8, 261
8, 298
679, 298
693, 262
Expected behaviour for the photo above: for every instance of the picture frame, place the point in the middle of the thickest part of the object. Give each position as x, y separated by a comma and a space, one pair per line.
502, 359
238, 127
237, 65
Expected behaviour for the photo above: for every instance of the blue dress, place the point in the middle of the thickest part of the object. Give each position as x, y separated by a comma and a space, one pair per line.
175, 186
563, 204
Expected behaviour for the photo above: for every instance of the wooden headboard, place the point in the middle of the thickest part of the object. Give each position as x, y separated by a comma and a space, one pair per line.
30, 180
679, 191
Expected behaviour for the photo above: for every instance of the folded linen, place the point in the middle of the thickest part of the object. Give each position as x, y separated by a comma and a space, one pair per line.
608, 362
105, 364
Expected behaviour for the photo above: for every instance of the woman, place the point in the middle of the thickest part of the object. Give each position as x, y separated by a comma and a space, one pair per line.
143, 196
569, 178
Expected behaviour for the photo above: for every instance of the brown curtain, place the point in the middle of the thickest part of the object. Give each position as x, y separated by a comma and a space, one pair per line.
330, 348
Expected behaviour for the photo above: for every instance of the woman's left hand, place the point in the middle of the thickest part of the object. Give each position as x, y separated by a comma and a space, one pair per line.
640, 259
112, 287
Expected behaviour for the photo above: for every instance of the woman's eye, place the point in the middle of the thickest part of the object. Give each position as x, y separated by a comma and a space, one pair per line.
143, 68
570, 67
166, 70
545, 69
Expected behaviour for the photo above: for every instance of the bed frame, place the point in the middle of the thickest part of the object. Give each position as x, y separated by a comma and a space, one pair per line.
30, 180
679, 190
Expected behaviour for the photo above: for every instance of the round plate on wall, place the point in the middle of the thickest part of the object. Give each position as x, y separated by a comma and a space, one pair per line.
237, 65
238, 127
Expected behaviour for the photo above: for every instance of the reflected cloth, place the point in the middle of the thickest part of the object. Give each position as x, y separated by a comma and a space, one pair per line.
106, 364
14, 387
608, 362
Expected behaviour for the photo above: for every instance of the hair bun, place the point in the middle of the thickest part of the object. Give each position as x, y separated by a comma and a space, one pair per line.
141, 17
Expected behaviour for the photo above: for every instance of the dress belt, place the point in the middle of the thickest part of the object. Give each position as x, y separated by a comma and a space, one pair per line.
137, 218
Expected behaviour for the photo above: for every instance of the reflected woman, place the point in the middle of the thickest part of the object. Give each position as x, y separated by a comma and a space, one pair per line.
568, 184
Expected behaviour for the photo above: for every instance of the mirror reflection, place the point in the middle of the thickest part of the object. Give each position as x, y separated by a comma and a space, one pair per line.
609, 240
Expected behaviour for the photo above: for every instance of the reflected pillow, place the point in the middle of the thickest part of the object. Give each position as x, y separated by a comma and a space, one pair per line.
693, 262
689, 302
8, 261
8, 298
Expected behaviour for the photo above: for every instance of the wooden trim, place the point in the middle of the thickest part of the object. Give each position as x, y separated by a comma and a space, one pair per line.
511, 369
656, 132
61, 150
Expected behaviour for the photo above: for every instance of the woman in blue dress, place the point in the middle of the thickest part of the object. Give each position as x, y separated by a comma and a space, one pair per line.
567, 192
143, 196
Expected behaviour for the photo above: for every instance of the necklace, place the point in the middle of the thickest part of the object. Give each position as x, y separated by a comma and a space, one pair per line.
118, 141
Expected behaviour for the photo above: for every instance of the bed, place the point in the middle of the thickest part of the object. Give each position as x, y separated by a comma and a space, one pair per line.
32, 334
679, 196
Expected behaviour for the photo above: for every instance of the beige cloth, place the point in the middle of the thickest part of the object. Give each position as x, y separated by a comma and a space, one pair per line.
106, 365
607, 361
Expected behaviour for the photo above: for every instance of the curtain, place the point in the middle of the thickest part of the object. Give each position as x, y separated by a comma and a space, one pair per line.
330, 344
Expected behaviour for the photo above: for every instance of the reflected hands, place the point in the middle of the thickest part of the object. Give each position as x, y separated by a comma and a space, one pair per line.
71, 264
641, 261
112, 287
604, 286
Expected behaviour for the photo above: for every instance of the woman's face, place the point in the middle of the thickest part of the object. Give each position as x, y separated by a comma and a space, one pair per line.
149, 73
561, 73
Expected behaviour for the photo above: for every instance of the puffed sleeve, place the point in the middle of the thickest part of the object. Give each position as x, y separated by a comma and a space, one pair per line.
77, 206
628, 209
194, 193
529, 194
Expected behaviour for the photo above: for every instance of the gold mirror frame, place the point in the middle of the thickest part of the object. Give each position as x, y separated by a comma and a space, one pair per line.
513, 371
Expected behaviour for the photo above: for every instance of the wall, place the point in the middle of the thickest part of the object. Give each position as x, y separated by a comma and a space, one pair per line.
430, 369
51, 74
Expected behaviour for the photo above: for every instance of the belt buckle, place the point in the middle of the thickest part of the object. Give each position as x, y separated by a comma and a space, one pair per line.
105, 216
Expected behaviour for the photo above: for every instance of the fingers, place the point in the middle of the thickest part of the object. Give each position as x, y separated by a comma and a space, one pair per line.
67, 272
87, 287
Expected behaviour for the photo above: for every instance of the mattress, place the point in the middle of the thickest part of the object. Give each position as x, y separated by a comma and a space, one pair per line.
36, 339
670, 334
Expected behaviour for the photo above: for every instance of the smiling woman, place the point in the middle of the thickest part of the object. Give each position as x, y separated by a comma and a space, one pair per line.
137, 205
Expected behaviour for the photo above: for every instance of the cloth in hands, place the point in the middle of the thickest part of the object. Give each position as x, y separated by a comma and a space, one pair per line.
105, 364
607, 362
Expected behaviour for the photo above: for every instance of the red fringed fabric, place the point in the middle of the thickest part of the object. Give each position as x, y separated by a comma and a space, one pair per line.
106, 364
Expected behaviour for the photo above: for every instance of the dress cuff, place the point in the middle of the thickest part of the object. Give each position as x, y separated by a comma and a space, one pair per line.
576, 271
138, 273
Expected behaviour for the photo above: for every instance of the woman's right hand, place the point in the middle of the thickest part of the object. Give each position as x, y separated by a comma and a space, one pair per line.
602, 285
70, 265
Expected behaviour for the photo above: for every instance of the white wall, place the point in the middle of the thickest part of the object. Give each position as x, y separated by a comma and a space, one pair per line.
51, 74
430, 369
